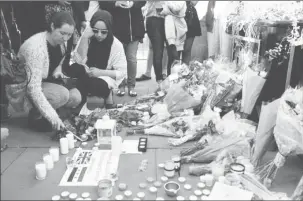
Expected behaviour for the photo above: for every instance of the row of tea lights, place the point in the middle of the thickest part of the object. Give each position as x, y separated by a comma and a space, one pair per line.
48, 160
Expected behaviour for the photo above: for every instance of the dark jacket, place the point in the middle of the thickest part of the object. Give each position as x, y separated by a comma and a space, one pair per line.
128, 23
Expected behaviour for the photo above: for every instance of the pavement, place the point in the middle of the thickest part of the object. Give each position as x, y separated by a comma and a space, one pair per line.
26, 147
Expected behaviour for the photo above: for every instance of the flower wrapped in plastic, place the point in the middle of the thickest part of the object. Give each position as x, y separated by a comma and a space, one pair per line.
288, 132
252, 86
177, 98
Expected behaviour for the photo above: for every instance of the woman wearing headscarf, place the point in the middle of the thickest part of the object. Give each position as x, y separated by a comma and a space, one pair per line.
44, 91
102, 59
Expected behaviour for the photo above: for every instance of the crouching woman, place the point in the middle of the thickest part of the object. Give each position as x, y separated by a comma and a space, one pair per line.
102, 58
44, 93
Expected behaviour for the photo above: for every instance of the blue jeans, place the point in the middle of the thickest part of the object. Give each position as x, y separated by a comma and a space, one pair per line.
156, 33
131, 49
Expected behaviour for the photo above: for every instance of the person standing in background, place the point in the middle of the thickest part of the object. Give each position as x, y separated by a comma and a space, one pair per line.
128, 27
194, 29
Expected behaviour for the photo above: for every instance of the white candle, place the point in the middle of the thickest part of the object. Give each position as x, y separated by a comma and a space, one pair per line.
54, 152
48, 160
64, 145
71, 142
209, 180
40, 170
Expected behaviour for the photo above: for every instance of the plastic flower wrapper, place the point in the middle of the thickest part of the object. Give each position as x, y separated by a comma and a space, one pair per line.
235, 146
252, 86
288, 132
178, 99
265, 136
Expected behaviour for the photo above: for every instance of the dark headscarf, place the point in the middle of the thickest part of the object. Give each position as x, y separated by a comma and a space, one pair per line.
98, 52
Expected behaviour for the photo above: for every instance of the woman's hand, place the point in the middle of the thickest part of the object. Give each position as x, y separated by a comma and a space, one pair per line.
88, 32
58, 124
58, 73
94, 72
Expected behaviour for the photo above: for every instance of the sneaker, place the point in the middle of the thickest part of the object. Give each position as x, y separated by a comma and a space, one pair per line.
143, 78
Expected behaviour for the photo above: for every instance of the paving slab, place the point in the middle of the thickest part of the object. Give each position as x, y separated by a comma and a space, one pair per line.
22, 136
20, 176
9, 156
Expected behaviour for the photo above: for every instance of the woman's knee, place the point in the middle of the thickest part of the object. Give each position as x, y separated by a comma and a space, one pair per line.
75, 98
57, 95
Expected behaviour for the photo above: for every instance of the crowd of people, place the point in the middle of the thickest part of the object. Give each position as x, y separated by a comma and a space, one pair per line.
95, 42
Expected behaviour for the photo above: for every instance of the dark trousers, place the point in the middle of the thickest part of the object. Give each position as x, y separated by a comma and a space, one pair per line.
88, 86
156, 34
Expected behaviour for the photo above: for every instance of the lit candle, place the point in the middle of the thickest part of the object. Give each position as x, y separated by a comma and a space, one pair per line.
64, 145
70, 139
40, 170
54, 152
48, 160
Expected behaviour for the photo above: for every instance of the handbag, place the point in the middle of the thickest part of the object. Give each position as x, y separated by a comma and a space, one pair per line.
12, 67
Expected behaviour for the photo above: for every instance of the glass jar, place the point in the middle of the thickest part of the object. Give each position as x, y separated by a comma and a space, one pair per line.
105, 188
169, 169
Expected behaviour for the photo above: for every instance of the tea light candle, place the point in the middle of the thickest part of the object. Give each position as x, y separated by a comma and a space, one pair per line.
206, 192
159, 198
209, 180
41, 171
181, 179
85, 195
54, 152
95, 148
153, 189
201, 185
71, 142
198, 192
128, 193
193, 197
157, 184
63, 145
161, 165
164, 179
150, 179
203, 197
73, 196
187, 186
141, 195
142, 185
55, 198
119, 197
48, 160
180, 198
136, 199
79, 199
84, 144
65, 194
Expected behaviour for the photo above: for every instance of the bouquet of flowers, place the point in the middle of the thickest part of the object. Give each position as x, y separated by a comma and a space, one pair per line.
288, 132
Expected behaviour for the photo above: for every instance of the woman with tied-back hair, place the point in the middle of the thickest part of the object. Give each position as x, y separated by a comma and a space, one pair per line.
44, 54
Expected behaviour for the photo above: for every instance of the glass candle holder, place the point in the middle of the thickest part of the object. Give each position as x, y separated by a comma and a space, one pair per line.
41, 171
48, 160
54, 152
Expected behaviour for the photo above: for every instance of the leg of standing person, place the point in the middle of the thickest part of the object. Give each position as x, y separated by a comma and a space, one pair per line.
131, 50
186, 54
149, 64
156, 33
